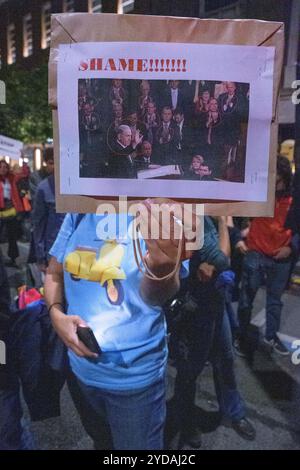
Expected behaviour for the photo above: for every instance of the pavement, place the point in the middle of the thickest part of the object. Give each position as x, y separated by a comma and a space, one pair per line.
269, 384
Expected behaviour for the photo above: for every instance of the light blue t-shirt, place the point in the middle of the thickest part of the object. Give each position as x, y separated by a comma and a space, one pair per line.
102, 284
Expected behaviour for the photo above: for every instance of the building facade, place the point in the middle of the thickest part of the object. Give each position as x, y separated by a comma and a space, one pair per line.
26, 27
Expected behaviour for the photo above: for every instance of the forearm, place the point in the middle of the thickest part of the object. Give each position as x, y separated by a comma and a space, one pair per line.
224, 239
54, 288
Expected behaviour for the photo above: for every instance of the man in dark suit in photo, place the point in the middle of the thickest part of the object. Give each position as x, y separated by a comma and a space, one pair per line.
173, 96
135, 125
146, 159
121, 161
184, 137
166, 138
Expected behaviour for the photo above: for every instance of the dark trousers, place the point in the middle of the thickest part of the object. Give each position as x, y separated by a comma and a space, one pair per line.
11, 225
231, 404
131, 420
210, 339
259, 269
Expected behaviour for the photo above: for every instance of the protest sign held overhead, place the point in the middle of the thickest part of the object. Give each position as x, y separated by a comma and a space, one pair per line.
188, 118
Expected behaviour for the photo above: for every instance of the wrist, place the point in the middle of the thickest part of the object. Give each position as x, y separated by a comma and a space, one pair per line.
55, 309
159, 269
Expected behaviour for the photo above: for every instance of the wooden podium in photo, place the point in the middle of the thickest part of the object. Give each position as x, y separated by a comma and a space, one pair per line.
163, 172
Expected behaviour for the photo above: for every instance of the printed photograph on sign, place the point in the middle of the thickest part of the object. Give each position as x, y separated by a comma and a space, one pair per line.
167, 129
165, 120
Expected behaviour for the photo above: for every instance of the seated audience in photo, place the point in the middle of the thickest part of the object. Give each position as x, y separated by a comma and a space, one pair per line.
136, 126
145, 159
121, 161
202, 103
151, 120
234, 108
117, 93
211, 135
219, 89
117, 119
185, 138
198, 169
177, 117
188, 88
145, 98
172, 96
91, 122
117, 116
166, 138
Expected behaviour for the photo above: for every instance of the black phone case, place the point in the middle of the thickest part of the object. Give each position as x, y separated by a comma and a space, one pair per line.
86, 335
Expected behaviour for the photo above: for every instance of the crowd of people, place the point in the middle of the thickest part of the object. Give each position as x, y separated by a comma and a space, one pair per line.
178, 120
119, 393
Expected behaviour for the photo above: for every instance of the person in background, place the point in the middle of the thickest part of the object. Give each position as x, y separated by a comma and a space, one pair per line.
293, 218
269, 258
35, 178
23, 184
47, 169
10, 205
14, 431
205, 335
24, 192
46, 221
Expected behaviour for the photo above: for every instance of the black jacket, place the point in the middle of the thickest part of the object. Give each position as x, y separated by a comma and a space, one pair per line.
38, 357
4, 323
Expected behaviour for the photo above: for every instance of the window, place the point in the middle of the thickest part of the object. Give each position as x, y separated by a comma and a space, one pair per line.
27, 35
216, 4
223, 9
127, 6
95, 6
46, 25
11, 44
68, 6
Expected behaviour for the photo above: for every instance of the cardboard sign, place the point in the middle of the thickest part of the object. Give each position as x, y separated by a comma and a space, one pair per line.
191, 116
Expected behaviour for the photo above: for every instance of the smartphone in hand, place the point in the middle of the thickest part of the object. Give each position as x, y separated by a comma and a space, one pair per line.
86, 335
